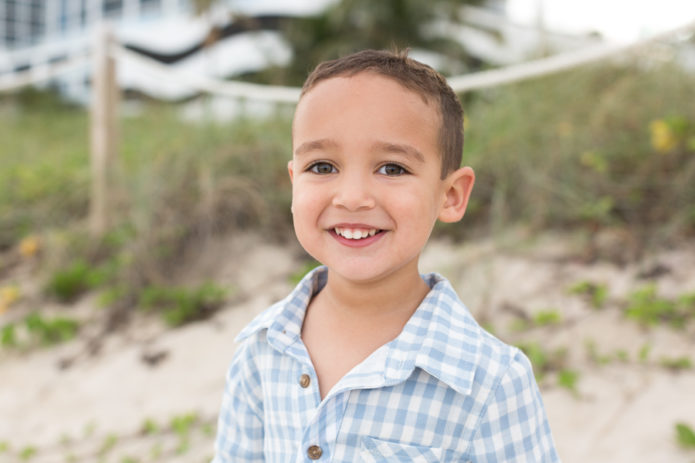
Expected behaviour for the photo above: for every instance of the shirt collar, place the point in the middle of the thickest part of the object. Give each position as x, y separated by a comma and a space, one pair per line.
441, 337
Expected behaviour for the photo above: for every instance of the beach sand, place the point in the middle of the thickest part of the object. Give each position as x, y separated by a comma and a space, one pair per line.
149, 393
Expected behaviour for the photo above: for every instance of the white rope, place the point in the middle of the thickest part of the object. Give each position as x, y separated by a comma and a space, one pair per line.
463, 83
203, 83
280, 94
38, 74
555, 63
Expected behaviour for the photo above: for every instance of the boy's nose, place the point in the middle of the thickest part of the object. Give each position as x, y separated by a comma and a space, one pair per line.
353, 194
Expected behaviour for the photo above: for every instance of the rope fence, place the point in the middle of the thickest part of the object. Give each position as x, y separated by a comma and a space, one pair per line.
460, 84
43, 73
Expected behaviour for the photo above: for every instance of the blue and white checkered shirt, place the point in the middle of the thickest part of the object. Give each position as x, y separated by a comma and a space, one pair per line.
443, 390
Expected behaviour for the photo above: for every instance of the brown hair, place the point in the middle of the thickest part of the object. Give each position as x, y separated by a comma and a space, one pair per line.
414, 76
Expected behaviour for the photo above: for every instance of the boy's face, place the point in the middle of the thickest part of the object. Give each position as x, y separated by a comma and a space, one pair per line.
366, 186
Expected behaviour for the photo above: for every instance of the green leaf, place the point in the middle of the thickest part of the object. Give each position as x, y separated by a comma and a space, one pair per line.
685, 435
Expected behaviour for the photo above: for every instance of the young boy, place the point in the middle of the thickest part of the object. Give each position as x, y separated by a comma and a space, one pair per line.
367, 360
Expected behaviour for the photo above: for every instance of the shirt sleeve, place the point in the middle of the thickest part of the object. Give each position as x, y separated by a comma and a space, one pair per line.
514, 426
240, 424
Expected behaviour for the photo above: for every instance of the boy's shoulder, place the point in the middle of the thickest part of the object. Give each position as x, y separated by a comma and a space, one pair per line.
450, 345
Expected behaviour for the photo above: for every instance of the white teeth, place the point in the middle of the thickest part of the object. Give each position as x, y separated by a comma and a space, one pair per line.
355, 233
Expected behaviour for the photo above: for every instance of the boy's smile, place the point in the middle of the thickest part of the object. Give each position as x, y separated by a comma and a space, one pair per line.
366, 186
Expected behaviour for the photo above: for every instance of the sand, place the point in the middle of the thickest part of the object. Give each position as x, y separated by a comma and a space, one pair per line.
621, 410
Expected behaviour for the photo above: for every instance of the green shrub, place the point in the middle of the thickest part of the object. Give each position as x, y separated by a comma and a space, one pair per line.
648, 308
685, 436
180, 305
49, 331
581, 148
596, 293
70, 282
547, 317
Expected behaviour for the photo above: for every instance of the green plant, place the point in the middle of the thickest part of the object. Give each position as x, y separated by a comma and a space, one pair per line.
648, 308
149, 426
685, 436
27, 453
70, 282
576, 169
676, 363
644, 351
208, 429
4, 446
622, 355
8, 336
596, 293
568, 379
180, 305
547, 317
49, 331
108, 444
182, 424
594, 355
543, 361
89, 429
156, 451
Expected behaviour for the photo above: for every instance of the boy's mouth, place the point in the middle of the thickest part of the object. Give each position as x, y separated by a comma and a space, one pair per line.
356, 233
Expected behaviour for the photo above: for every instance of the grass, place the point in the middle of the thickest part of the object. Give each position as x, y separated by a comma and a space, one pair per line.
578, 149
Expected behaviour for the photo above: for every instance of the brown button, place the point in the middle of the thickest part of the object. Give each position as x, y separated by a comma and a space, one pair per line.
304, 381
314, 452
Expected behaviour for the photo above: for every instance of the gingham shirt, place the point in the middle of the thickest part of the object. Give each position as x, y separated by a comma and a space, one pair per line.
443, 390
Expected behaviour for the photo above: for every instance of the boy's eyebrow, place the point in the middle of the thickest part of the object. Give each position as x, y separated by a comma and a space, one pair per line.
399, 148
326, 143
312, 145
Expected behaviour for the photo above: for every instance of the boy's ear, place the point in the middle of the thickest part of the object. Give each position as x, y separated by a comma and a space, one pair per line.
290, 169
459, 185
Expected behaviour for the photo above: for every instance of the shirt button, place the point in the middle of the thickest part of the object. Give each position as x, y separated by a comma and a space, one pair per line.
304, 381
314, 452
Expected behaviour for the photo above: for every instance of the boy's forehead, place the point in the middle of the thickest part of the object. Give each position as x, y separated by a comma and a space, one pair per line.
366, 77
360, 85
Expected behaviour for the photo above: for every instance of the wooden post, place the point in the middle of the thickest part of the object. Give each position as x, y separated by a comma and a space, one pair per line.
103, 136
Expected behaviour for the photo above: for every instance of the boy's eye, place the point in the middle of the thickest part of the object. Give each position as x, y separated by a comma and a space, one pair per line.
322, 168
392, 170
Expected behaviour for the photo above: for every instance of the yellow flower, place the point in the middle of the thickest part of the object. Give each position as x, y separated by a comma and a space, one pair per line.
29, 246
8, 296
662, 137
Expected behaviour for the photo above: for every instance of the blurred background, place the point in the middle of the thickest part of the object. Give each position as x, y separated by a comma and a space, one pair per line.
144, 207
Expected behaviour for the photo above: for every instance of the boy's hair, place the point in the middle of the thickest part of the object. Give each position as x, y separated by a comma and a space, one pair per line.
413, 75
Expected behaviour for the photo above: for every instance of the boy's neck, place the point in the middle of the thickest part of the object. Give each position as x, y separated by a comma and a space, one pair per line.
396, 295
